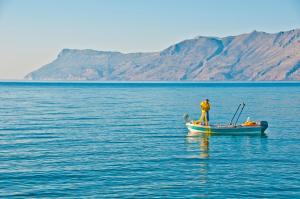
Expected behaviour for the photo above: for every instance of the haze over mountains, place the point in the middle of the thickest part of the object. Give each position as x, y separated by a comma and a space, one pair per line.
253, 56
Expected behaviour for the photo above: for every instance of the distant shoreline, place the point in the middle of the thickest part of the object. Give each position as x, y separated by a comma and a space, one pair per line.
146, 81
152, 83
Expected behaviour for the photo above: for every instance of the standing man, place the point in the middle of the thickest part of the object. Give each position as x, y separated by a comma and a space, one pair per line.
205, 107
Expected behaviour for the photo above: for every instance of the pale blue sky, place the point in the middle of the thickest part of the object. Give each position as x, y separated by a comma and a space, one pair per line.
34, 31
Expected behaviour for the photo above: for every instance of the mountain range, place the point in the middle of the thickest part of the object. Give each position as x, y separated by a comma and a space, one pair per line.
255, 56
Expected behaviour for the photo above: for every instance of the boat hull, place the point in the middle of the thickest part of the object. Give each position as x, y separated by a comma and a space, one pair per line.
227, 130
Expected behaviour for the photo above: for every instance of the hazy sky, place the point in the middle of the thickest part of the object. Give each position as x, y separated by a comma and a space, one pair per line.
34, 31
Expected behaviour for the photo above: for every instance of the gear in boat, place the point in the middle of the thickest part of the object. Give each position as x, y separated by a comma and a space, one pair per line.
246, 128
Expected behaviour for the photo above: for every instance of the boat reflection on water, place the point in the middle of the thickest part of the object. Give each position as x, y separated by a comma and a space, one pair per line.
199, 143
203, 140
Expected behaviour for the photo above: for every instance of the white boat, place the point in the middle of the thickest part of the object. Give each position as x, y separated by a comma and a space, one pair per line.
254, 129
247, 128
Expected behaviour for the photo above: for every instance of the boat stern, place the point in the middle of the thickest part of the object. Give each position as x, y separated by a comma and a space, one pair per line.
264, 125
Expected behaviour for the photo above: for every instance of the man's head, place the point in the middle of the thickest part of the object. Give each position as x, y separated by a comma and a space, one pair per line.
207, 100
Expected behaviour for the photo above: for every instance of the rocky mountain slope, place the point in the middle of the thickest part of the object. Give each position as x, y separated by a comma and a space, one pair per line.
253, 56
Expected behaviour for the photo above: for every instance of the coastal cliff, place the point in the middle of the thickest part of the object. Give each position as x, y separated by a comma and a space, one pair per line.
248, 57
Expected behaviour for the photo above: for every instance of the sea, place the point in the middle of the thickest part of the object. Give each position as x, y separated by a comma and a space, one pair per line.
129, 140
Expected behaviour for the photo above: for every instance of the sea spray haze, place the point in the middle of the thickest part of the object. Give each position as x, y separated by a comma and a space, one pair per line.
253, 56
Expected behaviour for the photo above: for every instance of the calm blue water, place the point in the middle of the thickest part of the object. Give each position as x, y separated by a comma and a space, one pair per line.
128, 141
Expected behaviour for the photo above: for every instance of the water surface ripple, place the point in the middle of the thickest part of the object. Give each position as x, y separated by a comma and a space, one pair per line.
73, 140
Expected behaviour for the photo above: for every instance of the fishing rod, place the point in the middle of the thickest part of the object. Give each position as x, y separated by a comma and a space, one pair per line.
234, 114
240, 114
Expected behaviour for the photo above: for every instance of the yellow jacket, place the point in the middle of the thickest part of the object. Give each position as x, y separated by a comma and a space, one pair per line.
205, 106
